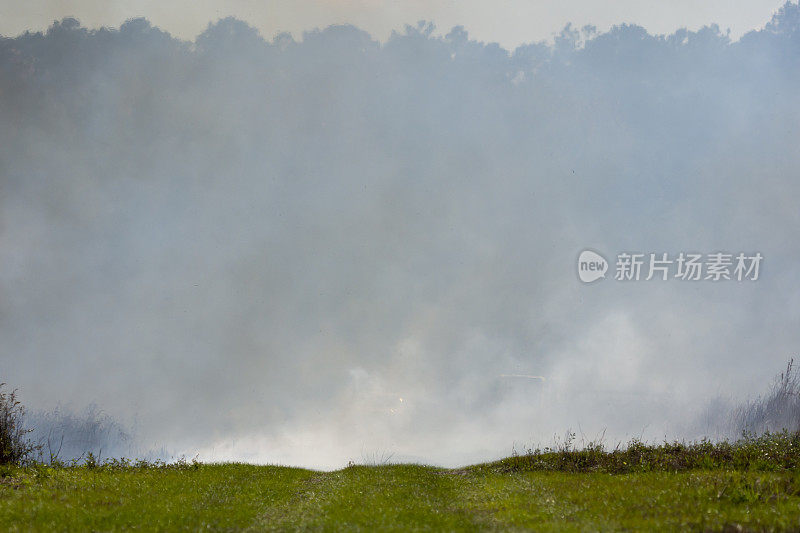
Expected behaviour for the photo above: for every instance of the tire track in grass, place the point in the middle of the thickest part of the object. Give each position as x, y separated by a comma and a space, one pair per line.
385, 498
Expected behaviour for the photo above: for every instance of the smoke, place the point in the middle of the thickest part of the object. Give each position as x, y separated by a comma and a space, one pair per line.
66, 436
305, 251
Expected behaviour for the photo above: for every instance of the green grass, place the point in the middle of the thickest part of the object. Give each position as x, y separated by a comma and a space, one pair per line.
401, 497
750, 485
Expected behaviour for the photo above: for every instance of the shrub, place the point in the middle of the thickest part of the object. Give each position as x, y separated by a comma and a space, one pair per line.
15, 448
67, 436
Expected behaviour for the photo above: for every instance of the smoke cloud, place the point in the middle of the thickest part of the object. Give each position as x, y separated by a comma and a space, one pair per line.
304, 251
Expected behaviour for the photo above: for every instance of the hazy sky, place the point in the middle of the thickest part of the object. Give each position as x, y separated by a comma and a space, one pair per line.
508, 22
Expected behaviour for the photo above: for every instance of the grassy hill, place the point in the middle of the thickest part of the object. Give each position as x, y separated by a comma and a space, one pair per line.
750, 485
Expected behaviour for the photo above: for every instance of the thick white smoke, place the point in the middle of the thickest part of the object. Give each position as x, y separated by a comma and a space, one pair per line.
306, 251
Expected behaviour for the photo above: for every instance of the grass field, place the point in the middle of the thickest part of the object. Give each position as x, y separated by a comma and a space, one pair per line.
753, 486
